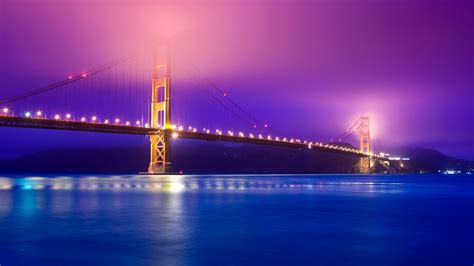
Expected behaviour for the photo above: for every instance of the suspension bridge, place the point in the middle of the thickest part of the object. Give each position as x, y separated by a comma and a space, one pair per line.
156, 120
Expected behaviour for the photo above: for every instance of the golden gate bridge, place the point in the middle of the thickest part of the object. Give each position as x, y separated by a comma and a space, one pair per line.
159, 125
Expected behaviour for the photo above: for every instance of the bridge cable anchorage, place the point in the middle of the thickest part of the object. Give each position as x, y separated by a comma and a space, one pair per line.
221, 92
67, 81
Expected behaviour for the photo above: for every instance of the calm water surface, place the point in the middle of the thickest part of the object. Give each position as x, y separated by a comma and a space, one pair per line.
235, 220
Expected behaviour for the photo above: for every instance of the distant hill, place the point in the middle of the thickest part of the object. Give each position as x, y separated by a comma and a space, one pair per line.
431, 161
212, 157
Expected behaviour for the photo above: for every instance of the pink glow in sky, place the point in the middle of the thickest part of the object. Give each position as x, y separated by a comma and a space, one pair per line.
317, 64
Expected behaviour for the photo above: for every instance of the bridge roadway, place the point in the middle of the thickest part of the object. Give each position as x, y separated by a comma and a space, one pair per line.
41, 123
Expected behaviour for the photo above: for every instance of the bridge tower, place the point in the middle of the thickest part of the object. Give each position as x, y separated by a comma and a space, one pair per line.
364, 130
160, 118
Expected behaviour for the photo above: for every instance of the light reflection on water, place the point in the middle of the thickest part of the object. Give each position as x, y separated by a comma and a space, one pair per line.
179, 184
222, 220
62, 194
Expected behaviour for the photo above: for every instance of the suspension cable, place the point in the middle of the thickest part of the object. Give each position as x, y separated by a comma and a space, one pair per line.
221, 92
217, 100
69, 80
350, 131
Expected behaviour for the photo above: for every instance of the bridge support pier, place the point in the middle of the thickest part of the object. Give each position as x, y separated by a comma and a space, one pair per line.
364, 165
159, 153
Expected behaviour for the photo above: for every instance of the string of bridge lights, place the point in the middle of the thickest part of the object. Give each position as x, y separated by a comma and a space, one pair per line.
70, 117
176, 129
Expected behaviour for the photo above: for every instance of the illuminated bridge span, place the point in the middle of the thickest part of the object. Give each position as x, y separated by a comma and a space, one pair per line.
188, 133
159, 126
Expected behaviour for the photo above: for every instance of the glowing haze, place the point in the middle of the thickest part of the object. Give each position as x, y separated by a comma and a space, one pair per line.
309, 68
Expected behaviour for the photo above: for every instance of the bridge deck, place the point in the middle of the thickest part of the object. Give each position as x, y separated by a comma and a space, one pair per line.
12, 121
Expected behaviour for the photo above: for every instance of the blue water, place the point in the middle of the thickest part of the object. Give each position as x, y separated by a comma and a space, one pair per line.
237, 220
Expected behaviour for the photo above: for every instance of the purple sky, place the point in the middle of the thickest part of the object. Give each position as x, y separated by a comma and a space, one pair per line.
308, 68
